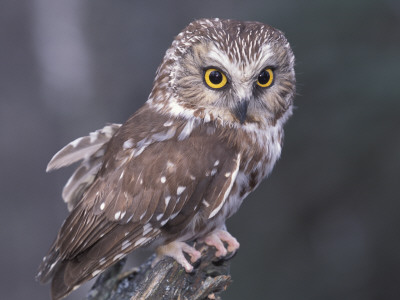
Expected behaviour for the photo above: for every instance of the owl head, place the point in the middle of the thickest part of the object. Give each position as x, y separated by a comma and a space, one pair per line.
234, 72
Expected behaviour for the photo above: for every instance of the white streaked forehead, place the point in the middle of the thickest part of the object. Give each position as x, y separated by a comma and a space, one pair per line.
245, 69
243, 72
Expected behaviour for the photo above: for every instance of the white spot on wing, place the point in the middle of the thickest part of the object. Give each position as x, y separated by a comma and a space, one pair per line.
180, 190
168, 123
93, 136
99, 153
162, 136
96, 272
147, 228
228, 190
118, 256
170, 167
125, 245
53, 265
216, 163
141, 241
187, 130
141, 146
117, 214
76, 142
128, 144
163, 179
167, 200
102, 205
174, 215
109, 131
205, 203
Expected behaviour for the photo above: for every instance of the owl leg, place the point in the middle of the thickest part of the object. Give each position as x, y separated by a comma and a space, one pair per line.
216, 239
175, 250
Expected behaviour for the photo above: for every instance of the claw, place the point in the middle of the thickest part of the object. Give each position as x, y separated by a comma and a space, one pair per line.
216, 239
175, 250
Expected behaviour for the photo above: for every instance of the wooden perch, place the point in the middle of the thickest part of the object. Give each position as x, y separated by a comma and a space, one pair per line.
167, 280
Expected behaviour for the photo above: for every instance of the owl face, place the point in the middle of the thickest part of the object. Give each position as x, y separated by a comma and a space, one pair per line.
239, 72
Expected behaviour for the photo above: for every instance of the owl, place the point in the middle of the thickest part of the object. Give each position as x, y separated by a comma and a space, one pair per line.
178, 168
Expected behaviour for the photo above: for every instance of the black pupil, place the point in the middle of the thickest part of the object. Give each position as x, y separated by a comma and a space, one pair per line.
263, 78
215, 77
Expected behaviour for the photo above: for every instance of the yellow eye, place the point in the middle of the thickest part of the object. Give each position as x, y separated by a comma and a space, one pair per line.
215, 79
265, 78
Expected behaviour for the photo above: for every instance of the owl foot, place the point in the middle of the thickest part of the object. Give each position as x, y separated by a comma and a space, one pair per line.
175, 250
216, 239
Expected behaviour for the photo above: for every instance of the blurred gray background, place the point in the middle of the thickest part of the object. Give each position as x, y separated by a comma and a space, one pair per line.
325, 225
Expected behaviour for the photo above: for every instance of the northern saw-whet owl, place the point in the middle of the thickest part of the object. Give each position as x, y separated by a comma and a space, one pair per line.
210, 131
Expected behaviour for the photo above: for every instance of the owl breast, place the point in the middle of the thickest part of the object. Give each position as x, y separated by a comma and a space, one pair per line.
260, 149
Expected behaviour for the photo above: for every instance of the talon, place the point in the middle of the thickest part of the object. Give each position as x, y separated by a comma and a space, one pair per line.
216, 240
193, 253
175, 250
233, 244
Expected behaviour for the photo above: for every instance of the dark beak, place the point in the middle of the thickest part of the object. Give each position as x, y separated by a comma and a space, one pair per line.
240, 110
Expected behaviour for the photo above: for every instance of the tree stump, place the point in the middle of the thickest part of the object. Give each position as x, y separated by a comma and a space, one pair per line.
167, 280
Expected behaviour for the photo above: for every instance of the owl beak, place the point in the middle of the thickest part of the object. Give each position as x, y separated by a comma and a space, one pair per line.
240, 110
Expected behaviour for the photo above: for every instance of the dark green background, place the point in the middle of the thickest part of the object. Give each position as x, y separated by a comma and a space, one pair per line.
325, 225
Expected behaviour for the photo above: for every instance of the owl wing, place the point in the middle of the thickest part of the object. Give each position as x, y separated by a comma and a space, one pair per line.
138, 197
90, 149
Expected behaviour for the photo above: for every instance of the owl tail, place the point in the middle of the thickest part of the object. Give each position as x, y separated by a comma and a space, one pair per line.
69, 274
